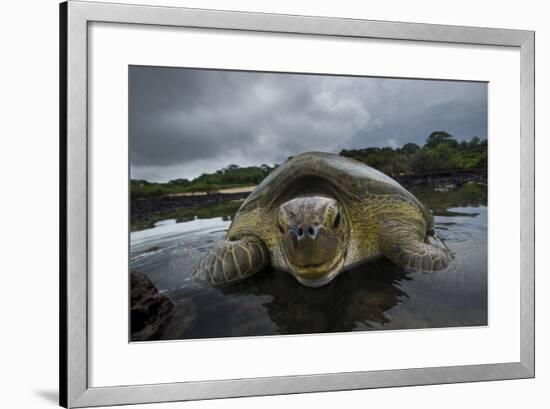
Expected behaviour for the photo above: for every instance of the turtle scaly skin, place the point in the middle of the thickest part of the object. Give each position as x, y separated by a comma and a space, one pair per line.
233, 260
319, 214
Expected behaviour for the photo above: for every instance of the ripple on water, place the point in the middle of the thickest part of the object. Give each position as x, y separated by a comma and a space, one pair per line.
374, 296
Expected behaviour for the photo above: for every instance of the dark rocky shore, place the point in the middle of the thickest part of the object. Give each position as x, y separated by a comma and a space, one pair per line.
149, 310
143, 209
441, 178
152, 313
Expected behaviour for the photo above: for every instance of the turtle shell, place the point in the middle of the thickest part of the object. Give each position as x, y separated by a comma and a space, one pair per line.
324, 173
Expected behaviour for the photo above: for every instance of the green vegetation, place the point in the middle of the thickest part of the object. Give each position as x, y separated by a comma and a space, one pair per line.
441, 152
226, 178
440, 200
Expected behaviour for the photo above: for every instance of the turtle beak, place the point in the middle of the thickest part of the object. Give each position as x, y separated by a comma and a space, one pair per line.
310, 247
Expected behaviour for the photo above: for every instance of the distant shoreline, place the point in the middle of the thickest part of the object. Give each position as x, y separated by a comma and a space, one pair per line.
244, 189
439, 178
145, 210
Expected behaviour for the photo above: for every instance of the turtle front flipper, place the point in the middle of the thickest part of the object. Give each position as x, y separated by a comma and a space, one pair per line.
232, 260
407, 250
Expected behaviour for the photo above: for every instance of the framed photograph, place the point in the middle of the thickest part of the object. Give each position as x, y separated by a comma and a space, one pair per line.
258, 204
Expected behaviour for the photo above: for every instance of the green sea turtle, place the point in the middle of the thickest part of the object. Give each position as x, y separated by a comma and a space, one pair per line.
319, 214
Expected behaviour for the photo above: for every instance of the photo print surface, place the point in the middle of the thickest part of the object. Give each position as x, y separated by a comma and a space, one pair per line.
269, 203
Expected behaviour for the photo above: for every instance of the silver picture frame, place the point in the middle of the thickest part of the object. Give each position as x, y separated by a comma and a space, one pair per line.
75, 390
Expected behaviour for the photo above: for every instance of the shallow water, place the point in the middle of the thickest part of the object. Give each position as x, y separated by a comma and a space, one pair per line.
373, 296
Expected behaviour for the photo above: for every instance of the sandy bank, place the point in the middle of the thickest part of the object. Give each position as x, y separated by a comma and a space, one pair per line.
244, 189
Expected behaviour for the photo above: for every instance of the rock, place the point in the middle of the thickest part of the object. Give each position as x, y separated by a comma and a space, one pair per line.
183, 319
143, 207
149, 310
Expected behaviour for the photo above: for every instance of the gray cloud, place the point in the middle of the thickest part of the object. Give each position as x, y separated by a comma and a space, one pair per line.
184, 122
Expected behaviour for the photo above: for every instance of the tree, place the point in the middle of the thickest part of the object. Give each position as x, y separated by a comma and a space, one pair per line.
179, 182
419, 161
438, 137
440, 153
410, 148
474, 141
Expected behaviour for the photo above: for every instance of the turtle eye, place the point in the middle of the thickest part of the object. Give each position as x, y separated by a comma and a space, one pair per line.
337, 220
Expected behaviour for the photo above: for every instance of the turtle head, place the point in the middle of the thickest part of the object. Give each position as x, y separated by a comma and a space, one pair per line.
313, 232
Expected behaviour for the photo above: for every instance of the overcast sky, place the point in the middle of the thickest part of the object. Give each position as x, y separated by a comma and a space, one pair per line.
185, 122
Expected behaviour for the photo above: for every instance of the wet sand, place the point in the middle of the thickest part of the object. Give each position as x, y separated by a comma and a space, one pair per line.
244, 189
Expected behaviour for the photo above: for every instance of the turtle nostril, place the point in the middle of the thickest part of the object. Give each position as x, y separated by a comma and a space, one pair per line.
300, 232
311, 231
337, 220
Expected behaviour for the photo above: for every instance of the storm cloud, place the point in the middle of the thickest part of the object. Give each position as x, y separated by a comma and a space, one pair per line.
185, 122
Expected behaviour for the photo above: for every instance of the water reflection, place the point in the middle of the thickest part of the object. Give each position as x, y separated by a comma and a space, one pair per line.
440, 199
274, 303
374, 296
